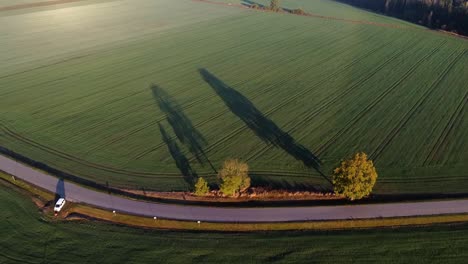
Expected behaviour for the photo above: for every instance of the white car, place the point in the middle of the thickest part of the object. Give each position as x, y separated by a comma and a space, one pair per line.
59, 205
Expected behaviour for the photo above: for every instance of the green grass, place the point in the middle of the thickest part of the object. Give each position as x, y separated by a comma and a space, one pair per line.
28, 237
75, 94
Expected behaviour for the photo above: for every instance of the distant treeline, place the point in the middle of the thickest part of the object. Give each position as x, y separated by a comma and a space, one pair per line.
450, 15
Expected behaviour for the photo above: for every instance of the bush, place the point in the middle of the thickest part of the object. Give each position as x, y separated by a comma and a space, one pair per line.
254, 6
299, 11
201, 187
355, 177
275, 5
234, 177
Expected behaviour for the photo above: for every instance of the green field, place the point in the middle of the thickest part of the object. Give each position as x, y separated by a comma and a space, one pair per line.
26, 237
137, 93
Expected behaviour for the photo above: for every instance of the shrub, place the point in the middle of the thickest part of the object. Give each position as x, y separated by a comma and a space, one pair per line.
355, 177
234, 177
275, 5
298, 11
201, 187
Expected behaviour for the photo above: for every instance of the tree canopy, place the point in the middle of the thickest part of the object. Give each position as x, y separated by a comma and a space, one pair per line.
234, 177
355, 177
201, 187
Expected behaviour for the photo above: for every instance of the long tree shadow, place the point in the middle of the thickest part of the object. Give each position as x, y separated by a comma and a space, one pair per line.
181, 124
181, 161
262, 126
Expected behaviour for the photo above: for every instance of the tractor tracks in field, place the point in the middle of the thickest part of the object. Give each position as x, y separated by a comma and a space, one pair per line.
67, 156
375, 102
259, 93
147, 74
289, 99
451, 124
378, 151
336, 96
184, 107
102, 167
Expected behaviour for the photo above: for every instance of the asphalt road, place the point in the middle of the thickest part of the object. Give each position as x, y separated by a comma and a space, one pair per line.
75, 193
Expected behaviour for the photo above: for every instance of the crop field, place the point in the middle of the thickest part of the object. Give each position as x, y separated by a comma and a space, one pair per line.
29, 238
152, 93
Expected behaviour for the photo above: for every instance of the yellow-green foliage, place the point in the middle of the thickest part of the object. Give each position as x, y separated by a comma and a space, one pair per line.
201, 187
355, 177
234, 177
298, 11
275, 5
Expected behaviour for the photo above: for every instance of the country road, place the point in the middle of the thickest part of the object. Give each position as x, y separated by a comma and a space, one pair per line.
75, 193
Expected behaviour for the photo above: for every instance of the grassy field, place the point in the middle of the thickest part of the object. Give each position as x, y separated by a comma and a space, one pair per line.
137, 93
27, 237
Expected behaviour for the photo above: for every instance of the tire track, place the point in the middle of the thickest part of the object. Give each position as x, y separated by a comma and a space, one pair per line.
456, 116
140, 155
333, 99
287, 101
375, 155
374, 103
196, 102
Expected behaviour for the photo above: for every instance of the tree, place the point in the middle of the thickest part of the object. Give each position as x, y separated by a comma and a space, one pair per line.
234, 177
201, 187
355, 177
275, 5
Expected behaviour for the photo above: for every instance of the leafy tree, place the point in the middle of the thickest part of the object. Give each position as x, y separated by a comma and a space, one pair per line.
275, 5
355, 177
201, 187
234, 177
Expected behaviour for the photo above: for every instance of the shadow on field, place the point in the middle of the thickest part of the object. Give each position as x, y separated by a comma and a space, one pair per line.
60, 189
181, 124
262, 126
181, 161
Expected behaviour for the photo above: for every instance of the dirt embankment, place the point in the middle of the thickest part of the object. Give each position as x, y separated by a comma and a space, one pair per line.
254, 194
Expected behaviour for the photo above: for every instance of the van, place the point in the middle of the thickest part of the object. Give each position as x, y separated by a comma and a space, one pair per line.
59, 205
